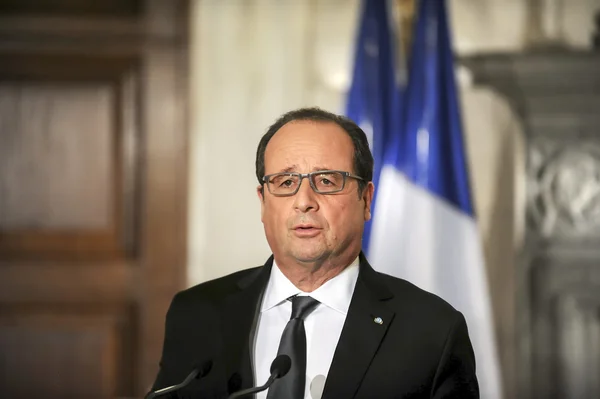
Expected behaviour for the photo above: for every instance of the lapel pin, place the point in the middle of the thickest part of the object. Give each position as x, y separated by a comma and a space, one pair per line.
378, 320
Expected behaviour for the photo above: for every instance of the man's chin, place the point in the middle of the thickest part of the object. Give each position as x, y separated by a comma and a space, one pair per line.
309, 256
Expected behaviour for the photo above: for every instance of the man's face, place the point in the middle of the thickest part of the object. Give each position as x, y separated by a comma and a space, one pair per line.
307, 226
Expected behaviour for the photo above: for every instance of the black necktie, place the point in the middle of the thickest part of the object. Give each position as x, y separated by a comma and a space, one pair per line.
293, 344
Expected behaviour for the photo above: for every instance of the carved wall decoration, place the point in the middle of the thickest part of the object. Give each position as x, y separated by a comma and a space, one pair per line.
556, 95
564, 187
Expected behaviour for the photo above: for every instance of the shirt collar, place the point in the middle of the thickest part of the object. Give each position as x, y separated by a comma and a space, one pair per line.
335, 293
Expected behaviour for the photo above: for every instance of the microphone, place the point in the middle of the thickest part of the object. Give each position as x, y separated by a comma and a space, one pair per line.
198, 372
279, 368
317, 386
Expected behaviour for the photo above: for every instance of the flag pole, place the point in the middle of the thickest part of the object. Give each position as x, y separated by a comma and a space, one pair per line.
405, 13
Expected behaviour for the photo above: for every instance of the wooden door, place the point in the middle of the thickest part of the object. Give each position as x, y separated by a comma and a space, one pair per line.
92, 192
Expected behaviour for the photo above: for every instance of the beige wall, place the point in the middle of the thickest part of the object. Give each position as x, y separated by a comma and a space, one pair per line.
496, 152
251, 61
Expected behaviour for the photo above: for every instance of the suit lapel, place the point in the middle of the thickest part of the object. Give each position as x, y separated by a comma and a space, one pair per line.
240, 311
366, 324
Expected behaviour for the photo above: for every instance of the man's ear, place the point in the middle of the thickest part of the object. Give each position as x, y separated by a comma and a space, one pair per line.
367, 196
260, 192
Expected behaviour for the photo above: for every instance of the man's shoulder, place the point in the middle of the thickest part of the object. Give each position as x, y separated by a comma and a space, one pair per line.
215, 290
409, 297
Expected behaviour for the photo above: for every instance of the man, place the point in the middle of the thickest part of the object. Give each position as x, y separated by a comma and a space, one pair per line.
361, 333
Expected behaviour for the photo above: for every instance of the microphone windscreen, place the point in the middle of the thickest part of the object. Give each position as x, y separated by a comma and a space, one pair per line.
317, 386
234, 383
204, 368
281, 365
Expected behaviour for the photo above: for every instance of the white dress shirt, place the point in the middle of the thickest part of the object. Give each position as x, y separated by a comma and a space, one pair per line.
323, 326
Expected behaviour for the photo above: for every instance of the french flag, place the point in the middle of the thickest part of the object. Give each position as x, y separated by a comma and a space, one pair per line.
423, 227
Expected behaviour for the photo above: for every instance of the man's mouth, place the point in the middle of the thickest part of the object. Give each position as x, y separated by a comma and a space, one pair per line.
305, 227
306, 230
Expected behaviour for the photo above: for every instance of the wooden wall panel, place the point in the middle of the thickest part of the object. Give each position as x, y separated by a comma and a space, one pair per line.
93, 102
66, 353
84, 283
69, 169
76, 8
57, 170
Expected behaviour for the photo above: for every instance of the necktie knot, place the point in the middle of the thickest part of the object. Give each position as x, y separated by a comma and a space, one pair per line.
302, 306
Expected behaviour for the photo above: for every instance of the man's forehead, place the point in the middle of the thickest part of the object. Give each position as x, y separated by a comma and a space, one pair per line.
299, 128
314, 136
307, 146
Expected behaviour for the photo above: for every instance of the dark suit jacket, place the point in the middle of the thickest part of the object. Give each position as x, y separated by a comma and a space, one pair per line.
421, 350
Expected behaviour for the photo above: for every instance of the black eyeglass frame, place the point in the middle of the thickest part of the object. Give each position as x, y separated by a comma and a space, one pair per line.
301, 176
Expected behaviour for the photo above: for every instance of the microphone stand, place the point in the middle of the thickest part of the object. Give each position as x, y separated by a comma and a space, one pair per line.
251, 391
197, 372
279, 368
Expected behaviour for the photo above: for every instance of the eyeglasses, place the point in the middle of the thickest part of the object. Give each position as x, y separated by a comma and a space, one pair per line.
322, 182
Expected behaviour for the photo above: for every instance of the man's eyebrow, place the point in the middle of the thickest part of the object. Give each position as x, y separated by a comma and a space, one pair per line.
289, 169
318, 168
294, 168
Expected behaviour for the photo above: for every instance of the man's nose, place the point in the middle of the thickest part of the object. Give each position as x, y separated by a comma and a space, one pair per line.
305, 199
